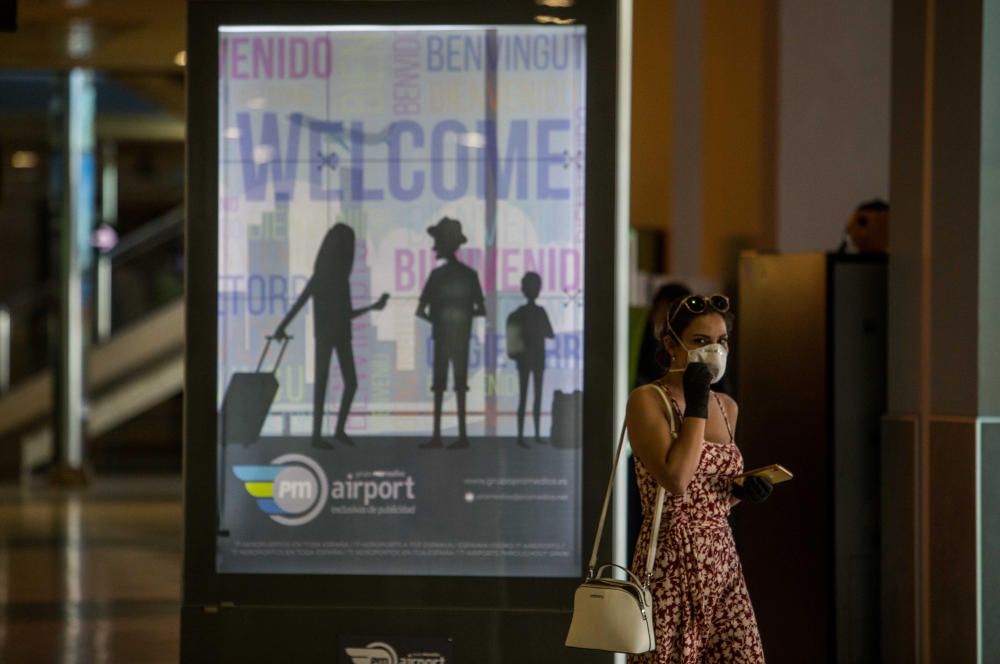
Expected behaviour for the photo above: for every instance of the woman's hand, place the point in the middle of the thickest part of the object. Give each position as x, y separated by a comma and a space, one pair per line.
755, 489
697, 379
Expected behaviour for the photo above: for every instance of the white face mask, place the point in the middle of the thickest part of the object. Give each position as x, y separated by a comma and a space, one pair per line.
713, 355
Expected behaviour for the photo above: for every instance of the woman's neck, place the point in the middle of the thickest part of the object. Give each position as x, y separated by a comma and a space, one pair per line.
674, 380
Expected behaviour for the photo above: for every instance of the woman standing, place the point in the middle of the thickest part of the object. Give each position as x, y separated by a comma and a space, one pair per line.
702, 608
333, 310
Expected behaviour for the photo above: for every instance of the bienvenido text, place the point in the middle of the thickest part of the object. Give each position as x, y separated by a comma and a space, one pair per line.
532, 51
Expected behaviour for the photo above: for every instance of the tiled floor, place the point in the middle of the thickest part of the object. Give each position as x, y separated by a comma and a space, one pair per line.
91, 576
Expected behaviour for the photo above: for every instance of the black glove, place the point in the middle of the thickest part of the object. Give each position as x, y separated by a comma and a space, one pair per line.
756, 489
697, 378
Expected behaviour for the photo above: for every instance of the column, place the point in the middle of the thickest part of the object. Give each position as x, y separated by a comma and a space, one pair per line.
686, 155
941, 442
74, 128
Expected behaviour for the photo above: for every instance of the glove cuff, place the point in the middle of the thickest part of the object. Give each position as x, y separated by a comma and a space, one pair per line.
696, 407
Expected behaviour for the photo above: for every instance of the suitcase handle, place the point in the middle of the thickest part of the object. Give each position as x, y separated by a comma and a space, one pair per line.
281, 353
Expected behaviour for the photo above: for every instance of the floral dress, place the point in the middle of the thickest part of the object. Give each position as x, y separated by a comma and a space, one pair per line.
701, 606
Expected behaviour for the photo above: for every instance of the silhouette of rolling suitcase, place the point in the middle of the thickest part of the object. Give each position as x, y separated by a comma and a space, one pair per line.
248, 400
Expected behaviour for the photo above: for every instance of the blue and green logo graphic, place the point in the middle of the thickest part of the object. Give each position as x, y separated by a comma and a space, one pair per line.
292, 490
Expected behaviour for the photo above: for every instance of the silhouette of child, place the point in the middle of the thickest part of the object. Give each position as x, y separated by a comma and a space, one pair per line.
528, 327
330, 290
451, 298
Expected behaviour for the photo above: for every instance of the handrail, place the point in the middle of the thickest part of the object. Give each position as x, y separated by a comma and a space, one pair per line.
149, 343
152, 233
157, 230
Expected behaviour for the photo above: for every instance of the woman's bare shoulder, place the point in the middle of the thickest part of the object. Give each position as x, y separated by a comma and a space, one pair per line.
729, 403
726, 399
645, 397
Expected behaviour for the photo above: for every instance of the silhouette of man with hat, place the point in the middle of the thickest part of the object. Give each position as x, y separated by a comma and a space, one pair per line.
451, 298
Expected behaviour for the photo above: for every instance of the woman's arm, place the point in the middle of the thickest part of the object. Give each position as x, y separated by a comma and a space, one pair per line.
378, 305
303, 296
671, 462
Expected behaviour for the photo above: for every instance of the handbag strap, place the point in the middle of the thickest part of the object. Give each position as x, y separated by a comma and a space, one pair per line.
651, 553
654, 535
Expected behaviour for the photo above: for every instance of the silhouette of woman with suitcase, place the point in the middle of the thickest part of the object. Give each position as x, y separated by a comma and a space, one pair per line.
330, 290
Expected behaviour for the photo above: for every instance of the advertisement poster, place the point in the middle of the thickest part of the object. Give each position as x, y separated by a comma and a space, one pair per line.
400, 300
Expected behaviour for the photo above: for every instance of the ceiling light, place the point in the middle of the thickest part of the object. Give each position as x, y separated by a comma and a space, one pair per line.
554, 20
24, 159
180, 59
80, 38
262, 154
472, 139
555, 3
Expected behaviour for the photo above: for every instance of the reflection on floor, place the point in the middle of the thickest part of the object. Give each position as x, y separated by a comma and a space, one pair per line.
91, 576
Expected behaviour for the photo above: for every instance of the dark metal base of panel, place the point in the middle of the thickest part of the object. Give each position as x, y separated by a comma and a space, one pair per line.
300, 634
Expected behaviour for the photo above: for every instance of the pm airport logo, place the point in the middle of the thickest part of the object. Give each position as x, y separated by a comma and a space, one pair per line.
379, 652
292, 490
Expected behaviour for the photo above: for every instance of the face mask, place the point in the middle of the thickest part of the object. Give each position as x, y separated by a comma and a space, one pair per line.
713, 355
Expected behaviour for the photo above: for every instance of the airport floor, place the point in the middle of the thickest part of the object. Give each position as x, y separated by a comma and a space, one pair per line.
91, 576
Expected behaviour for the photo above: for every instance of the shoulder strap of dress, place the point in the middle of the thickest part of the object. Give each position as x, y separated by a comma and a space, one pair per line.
725, 417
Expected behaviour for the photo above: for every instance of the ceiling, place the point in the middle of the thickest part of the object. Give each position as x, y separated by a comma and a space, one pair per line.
132, 44
113, 35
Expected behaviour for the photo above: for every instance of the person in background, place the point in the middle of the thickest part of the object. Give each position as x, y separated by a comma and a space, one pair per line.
648, 366
868, 228
702, 609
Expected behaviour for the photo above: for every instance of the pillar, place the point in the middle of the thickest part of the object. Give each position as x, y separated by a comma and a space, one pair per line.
941, 436
73, 128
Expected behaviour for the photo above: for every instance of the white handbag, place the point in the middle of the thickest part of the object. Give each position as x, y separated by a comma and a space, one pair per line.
612, 614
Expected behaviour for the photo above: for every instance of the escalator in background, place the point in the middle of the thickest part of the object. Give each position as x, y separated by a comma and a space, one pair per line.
134, 369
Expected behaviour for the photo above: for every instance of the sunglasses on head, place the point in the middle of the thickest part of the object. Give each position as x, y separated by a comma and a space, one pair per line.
699, 304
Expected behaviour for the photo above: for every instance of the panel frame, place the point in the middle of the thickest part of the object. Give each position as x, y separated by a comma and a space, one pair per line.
202, 585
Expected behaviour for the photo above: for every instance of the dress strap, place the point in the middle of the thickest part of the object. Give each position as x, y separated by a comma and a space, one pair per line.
673, 401
725, 417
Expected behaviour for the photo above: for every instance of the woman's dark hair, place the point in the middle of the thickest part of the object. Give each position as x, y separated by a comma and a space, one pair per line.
678, 319
663, 301
335, 257
874, 205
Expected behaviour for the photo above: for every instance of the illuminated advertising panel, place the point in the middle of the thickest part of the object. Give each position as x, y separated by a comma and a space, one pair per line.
400, 300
